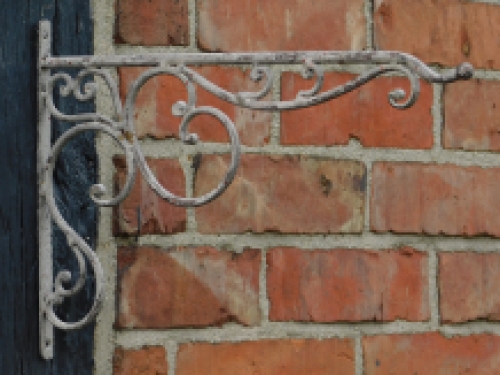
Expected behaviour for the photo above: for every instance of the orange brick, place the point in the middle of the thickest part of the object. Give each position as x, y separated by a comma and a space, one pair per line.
288, 194
268, 357
153, 22
148, 360
347, 285
472, 115
187, 287
364, 114
445, 31
263, 25
431, 353
468, 287
156, 214
435, 199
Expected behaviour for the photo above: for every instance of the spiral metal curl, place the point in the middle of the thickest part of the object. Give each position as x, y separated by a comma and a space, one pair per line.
78, 246
309, 71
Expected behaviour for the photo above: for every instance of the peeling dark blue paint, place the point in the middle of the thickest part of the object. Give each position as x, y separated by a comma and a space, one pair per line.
19, 348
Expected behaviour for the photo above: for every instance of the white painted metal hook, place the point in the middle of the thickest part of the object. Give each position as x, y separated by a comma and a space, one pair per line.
54, 288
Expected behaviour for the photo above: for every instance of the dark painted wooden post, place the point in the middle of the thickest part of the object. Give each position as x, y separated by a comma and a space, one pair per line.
19, 343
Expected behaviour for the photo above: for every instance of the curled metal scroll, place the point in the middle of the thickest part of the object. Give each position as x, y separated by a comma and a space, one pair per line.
123, 132
313, 96
120, 127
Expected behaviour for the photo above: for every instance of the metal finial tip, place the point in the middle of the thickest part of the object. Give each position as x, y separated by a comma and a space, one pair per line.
465, 70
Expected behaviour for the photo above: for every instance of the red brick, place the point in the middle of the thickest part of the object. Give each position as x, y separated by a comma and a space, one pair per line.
154, 117
148, 360
468, 287
289, 194
187, 287
153, 22
445, 31
435, 199
268, 357
347, 285
157, 215
472, 119
430, 354
145, 115
364, 114
263, 25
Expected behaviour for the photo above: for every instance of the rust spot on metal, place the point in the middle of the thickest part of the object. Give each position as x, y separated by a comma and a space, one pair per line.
129, 136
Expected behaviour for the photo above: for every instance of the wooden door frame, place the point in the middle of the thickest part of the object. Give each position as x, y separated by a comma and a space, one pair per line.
19, 331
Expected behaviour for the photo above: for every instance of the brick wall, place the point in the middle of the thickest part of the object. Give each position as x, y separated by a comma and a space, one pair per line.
356, 238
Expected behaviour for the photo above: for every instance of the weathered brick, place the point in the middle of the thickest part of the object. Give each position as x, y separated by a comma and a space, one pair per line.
156, 214
472, 119
446, 31
468, 287
148, 360
289, 194
268, 357
435, 199
183, 287
146, 114
153, 113
153, 22
431, 353
364, 114
263, 25
347, 285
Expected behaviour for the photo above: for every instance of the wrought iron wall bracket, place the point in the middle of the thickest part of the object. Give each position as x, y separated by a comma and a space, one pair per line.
120, 126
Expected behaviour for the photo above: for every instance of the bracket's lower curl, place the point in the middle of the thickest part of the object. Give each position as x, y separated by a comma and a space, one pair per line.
78, 246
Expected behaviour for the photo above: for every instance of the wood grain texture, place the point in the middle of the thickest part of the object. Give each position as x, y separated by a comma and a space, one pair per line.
19, 349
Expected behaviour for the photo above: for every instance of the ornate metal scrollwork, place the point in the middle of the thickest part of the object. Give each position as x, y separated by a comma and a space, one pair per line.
120, 127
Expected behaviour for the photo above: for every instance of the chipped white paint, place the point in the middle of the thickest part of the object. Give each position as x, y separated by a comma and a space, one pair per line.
107, 338
121, 128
